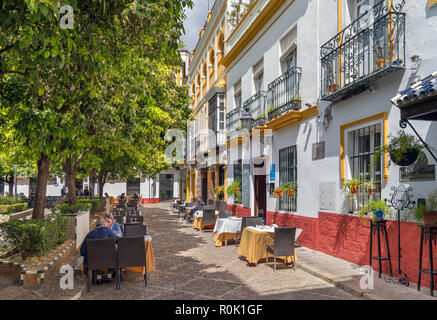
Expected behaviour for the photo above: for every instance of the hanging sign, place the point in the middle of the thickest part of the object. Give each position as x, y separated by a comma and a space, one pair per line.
273, 172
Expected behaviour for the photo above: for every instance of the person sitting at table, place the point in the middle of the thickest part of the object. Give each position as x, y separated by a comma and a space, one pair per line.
189, 214
101, 231
114, 225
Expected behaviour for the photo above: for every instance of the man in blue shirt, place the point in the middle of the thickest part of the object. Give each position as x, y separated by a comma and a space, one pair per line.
102, 231
190, 213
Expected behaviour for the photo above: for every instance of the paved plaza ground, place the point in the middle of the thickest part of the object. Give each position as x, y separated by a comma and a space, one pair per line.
190, 267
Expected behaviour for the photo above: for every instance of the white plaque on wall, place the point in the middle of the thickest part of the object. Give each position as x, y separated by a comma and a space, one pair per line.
327, 196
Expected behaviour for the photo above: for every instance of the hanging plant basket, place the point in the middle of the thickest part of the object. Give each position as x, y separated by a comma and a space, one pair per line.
408, 157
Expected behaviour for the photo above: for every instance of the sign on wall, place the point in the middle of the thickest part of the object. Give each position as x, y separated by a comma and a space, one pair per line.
327, 196
418, 171
272, 172
319, 150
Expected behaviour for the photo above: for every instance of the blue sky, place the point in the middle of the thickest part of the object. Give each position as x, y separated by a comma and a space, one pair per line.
196, 19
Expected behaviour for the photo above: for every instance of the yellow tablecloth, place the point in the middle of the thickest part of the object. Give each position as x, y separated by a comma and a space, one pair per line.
150, 260
197, 224
219, 239
253, 248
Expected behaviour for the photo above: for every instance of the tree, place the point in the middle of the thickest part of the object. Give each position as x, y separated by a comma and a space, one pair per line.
61, 70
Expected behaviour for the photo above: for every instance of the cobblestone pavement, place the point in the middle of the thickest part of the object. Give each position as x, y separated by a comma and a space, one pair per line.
188, 267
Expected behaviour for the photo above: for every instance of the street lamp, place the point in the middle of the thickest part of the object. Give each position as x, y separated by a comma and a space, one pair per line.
15, 178
246, 119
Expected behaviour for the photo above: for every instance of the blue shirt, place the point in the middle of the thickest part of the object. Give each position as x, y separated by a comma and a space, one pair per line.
117, 230
97, 233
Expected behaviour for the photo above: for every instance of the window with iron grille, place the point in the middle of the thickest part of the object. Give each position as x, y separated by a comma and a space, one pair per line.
238, 176
288, 174
364, 142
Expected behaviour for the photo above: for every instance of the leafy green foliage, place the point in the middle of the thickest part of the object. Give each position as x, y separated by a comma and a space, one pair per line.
430, 206
12, 208
233, 189
94, 205
36, 237
9, 200
66, 208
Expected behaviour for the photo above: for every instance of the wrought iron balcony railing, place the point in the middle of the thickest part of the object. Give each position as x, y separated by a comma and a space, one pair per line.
257, 108
283, 93
369, 48
233, 121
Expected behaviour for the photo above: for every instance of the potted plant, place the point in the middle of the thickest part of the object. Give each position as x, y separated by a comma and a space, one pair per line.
289, 188
233, 189
218, 191
369, 186
428, 212
376, 210
350, 187
403, 149
278, 192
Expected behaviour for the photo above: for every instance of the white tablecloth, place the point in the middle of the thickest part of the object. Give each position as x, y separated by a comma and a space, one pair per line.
271, 229
226, 225
199, 214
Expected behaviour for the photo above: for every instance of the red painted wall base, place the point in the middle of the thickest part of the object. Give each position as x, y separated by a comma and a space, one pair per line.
149, 200
347, 237
239, 211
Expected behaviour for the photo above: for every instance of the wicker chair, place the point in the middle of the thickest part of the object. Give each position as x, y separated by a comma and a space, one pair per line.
248, 222
131, 253
208, 218
101, 254
283, 244
135, 229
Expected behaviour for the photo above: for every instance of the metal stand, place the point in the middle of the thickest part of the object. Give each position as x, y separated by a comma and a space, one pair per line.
427, 233
379, 228
400, 200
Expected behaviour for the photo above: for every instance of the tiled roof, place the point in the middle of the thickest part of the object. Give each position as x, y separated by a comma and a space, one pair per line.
420, 90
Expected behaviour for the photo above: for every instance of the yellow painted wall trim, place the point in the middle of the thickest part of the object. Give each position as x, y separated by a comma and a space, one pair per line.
264, 16
383, 116
431, 3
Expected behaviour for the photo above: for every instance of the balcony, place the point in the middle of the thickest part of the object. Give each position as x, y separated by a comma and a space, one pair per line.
233, 122
283, 93
257, 108
370, 48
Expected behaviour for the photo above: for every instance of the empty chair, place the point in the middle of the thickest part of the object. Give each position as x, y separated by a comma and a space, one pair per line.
283, 244
248, 222
223, 207
134, 219
131, 253
135, 229
208, 217
100, 255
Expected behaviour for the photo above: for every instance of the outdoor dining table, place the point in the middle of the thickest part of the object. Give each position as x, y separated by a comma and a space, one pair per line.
226, 229
252, 244
198, 219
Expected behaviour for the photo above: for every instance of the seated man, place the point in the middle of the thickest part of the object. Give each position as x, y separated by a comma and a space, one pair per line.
102, 231
189, 214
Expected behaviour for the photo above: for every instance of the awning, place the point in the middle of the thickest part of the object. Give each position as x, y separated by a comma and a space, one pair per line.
419, 101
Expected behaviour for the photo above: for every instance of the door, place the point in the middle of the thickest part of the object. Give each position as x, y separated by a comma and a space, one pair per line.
260, 195
133, 187
166, 186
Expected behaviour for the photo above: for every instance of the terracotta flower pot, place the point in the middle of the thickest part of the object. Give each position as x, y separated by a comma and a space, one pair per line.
353, 189
291, 192
280, 193
430, 218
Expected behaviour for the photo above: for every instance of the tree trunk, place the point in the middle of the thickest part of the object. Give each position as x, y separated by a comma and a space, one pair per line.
11, 187
70, 180
93, 177
41, 187
101, 178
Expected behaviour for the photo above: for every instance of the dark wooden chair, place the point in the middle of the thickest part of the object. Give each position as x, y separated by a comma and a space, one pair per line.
283, 244
101, 254
134, 219
131, 253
